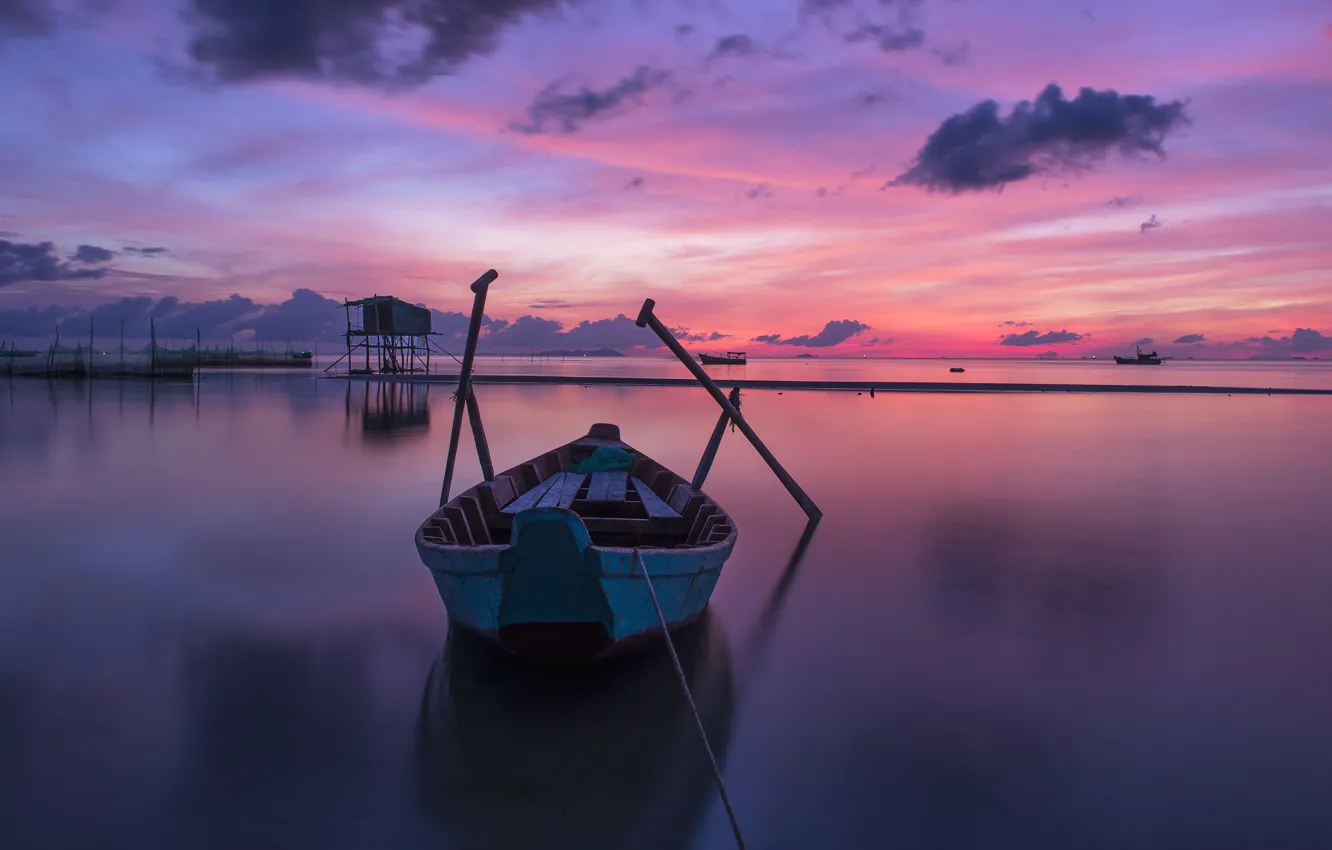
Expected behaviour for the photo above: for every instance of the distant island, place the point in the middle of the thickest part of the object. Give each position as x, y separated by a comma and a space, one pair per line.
564, 352
806, 356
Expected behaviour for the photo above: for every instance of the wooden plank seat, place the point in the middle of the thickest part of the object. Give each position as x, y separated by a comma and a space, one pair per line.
608, 486
652, 503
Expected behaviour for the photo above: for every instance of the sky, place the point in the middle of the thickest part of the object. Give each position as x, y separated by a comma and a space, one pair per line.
890, 178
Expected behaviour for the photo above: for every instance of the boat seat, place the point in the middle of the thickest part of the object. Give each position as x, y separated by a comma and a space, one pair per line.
608, 486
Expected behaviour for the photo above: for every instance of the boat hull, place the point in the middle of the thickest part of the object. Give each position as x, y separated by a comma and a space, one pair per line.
711, 360
570, 603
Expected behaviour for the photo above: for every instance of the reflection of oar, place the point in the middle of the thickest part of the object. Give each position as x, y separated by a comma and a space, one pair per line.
772, 609
689, 698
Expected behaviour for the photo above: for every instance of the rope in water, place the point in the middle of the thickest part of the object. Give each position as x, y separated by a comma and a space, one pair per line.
689, 698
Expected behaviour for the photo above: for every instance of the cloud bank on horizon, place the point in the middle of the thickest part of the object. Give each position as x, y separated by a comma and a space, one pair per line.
204, 157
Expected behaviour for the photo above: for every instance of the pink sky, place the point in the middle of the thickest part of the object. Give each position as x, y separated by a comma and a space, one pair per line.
746, 194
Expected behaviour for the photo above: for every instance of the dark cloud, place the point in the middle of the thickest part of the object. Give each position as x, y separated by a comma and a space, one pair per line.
1012, 324
553, 110
136, 314
833, 333
741, 46
760, 191
953, 55
548, 304
683, 30
1033, 337
1144, 341
9, 234
1191, 339
619, 333
25, 18
92, 255
1306, 340
210, 319
1303, 341
635, 183
1122, 201
684, 335
1150, 224
385, 43
146, 252
306, 315
890, 38
863, 172
28, 262
32, 321
980, 149
736, 44
874, 98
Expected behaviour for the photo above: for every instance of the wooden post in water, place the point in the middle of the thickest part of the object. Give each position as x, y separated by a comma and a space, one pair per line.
465, 391
91, 339
152, 345
710, 453
646, 318
122, 347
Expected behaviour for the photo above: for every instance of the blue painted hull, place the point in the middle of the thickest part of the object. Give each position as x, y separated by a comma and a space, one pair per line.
485, 589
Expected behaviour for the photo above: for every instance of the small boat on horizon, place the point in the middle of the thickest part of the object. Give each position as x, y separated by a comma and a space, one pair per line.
730, 358
1141, 360
543, 559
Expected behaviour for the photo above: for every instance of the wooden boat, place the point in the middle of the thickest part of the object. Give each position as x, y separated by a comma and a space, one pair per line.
730, 358
1140, 360
543, 558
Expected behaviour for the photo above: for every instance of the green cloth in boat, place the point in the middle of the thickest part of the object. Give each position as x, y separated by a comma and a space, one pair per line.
607, 459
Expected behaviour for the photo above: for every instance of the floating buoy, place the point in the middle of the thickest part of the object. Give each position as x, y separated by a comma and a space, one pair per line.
957, 369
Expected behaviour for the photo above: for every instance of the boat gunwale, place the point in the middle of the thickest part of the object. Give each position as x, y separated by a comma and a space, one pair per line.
424, 544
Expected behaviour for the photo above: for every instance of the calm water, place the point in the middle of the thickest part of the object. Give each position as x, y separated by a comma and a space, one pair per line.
1026, 621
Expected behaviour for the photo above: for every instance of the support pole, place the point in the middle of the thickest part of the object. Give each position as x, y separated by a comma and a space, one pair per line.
479, 433
465, 387
710, 453
646, 318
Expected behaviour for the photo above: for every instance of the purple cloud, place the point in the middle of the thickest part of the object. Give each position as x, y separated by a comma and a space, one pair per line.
24, 263
1033, 337
553, 110
980, 149
833, 333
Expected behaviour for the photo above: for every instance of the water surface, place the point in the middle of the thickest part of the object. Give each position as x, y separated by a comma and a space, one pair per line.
1042, 621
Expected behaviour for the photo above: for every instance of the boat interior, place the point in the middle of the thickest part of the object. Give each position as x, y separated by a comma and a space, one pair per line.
646, 506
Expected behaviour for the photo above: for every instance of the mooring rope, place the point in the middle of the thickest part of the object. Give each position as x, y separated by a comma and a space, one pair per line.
689, 698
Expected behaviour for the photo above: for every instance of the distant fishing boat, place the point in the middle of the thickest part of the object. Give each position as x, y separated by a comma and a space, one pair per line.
542, 558
730, 358
1140, 360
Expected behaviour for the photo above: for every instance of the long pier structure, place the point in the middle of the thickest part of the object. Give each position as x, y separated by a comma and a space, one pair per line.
870, 387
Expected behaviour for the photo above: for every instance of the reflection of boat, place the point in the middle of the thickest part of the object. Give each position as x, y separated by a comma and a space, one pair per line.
1140, 360
510, 756
544, 558
730, 358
